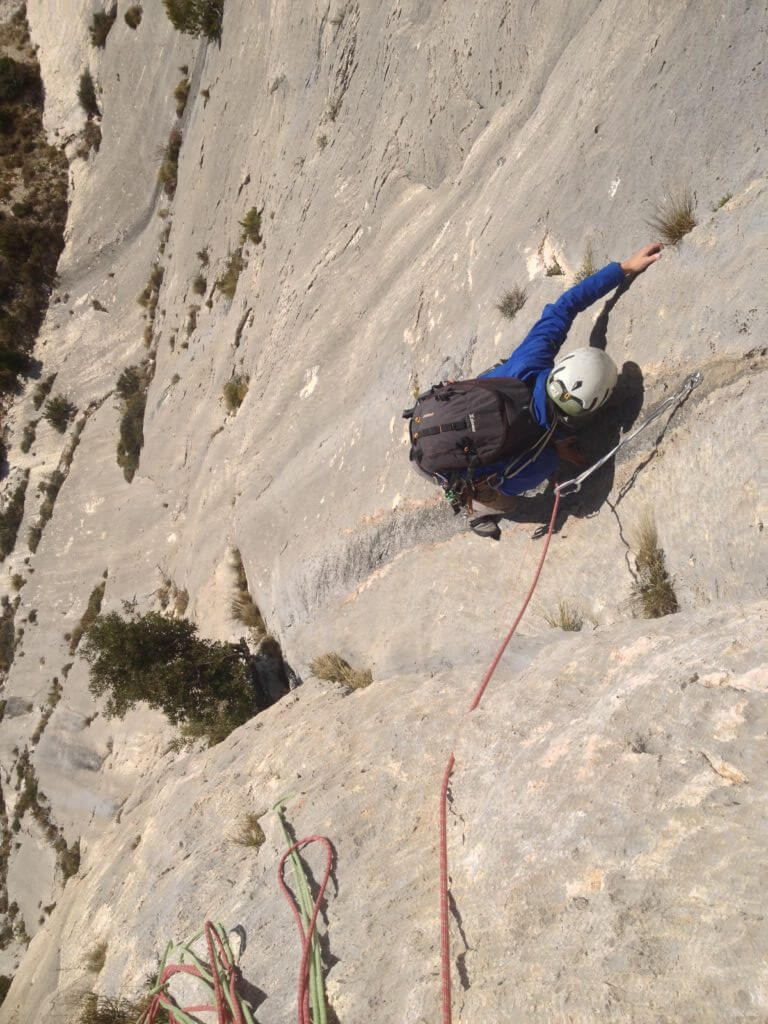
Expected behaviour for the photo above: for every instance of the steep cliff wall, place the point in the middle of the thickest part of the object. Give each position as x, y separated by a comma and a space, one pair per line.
411, 162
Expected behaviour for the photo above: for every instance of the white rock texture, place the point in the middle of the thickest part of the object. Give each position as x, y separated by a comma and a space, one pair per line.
413, 160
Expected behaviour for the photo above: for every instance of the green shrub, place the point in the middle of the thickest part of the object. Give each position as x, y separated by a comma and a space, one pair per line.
59, 412
227, 283
93, 608
86, 93
196, 17
15, 78
11, 516
28, 436
91, 139
130, 382
336, 669
133, 16
163, 662
42, 390
251, 225
69, 859
101, 26
512, 301
131, 434
181, 95
168, 174
235, 391
673, 216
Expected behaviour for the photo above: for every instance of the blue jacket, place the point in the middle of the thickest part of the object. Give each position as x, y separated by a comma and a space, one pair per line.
533, 359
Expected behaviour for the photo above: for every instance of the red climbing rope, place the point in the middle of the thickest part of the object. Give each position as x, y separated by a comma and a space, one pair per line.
445, 937
227, 1011
306, 936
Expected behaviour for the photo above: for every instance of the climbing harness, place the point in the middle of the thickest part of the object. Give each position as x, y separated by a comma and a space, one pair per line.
568, 487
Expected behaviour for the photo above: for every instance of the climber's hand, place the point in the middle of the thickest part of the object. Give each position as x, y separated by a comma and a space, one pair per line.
642, 259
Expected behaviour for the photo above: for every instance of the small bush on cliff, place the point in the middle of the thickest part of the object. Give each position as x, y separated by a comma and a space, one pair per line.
101, 26
134, 15
14, 78
86, 93
11, 516
58, 412
196, 17
227, 283
200, 683
169, 169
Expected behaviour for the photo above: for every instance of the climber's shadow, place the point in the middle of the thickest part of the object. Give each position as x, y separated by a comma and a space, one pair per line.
596, 437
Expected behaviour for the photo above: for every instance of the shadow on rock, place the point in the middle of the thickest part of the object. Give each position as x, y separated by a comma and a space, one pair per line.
596, 437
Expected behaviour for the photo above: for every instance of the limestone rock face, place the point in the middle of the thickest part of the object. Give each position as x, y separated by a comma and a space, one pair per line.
410, 162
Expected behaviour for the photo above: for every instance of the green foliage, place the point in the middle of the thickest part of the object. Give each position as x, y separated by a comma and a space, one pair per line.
86, 93
11, 516
131, 435
130, 381
150, 658
7, 633
59, 412
227, 283
673, 216
336, 669
196, 17
251, 225
89, 615
50, 488
512, 301
101, 26
28, 436
235, 391
15, 78
722, 201
133, 16
168, 174
652, 592
42, 390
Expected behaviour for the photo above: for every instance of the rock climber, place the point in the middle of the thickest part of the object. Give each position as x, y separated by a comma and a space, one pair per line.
489, 439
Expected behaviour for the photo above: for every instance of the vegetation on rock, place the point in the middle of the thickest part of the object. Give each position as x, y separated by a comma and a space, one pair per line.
59, 412
163, 662
336, 669
101, 26
196, 17
512, 301
673, 217
11, 516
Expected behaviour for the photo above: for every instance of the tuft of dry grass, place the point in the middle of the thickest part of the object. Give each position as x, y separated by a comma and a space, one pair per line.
95, 1009
587, 268
512, 301
243, 608
181, 95
673, 216
652, 592
168, 175
336, 669
250, 833
96, 958
568, 617
251, 225
722, 201
554, 269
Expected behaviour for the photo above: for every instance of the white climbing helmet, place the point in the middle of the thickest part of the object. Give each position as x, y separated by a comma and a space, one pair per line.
582, 381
